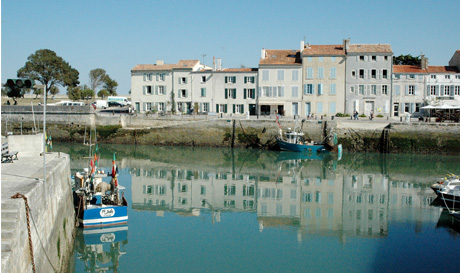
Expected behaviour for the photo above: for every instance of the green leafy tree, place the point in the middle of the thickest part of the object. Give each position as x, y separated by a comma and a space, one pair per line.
110, 85
4, 91
407, 60
102, 93
96, 78
37, 92
49, 69
173, 103
86, 92
54, 91
74, 92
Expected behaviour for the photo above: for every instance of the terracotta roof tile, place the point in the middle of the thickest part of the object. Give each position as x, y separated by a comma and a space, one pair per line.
240, 70
370, 48
154, 67
322, 50
408, 69
281, 57
442, 69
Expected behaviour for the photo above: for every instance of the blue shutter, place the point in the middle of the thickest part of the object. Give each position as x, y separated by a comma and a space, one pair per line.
143, 89
407, 90
332, 108
217, 108
226, 93
242, 108
312, 89
319, 107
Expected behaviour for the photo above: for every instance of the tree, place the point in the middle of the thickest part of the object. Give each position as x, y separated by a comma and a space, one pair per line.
86, 92
49, 69
54, 91
37, 91
96, 78
110, 85
74, 92
407, 60
173, 103
102, 93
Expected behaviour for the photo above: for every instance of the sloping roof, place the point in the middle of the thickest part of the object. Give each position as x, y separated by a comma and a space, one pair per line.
442, 69
322, 50
281, 57
370, 48
408, 69
240, 70
181, 64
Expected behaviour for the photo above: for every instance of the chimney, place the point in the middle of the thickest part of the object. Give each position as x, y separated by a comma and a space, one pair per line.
423, 62
160, 62
302, 46
262, 54
213, 63
219, 64
346, 44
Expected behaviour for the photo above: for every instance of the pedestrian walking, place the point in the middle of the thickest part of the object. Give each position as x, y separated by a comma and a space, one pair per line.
371, 115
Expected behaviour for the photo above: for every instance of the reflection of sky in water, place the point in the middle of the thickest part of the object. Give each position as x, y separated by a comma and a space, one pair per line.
364, 213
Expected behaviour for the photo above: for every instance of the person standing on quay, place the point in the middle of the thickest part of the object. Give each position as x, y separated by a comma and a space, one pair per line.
371, 116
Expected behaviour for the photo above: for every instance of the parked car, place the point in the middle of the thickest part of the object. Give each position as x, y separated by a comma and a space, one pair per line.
100, 104
67, 103
114, 104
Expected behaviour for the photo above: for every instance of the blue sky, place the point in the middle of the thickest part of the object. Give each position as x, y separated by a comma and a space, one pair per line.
117, 35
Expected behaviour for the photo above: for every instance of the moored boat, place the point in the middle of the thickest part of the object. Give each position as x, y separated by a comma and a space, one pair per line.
98, 203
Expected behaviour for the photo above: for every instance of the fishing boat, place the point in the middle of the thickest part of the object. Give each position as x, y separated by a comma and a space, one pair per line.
98, 203
293, 140
445, 181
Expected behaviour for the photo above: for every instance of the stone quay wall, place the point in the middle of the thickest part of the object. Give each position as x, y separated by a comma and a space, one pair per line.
51, 215
228, 131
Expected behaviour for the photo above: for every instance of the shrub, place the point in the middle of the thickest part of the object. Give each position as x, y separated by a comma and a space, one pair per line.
379, 116
342, 115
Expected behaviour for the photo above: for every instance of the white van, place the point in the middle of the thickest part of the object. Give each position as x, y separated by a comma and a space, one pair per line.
123, 101
100, 104
67, 103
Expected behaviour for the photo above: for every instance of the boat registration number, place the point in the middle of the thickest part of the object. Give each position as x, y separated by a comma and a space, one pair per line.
107, 212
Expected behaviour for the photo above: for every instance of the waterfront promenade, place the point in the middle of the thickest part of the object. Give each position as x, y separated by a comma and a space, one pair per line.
51, 217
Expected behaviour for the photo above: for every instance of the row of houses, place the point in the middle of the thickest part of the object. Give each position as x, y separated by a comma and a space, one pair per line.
316, 79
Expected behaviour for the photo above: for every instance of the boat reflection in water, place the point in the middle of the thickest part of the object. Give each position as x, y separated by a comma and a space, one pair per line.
101, 249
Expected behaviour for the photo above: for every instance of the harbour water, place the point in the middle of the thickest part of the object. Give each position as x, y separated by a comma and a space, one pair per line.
218, 210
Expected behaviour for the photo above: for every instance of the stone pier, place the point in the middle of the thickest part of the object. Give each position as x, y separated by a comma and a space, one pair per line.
51, 214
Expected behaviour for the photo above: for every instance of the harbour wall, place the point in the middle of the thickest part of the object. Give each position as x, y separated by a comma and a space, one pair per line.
379, 135
51, 214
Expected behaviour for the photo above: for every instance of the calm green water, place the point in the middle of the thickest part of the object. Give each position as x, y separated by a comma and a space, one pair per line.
214, 210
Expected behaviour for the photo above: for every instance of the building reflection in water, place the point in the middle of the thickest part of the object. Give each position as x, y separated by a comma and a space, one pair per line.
100, 249
319, 196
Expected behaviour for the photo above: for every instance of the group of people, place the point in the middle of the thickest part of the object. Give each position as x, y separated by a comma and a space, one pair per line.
356, 117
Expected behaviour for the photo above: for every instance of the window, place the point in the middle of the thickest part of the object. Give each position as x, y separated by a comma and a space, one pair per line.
281, 75
352, 89
457, 77
385, 74
250, 93
182, 93
384, 90
265, 75
203, 92
266, 91
411, 76
161, 77
229, 189
205, 107
447, 77
374, 90
433, 76
161, 106
320, 89
148, 106
203, 79
361, 89
249, 79
238, 108
295, 75
230, 79
374, 74
361, 73
161, 90
446, 90
320, 72
332, 90
457, 90
374, 58
411, 90
309, 72
407, 107
353, 73
433, 90
361, 58
309, 89
385, 58
333, 72
148, 90
398, 76
147, 76
182, 80
295, 91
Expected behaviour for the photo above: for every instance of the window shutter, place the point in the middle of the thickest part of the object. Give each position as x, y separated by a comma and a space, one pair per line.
143, 90
245, 79
186, 93
415, 90
201, 107
452, 90
226, 79
234, 108
428, 90
281, 91
217, 108
225, 108
226, 93
406, 90
312, 89
156, 90
234, 93
242, 108
332, 108
244, 92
